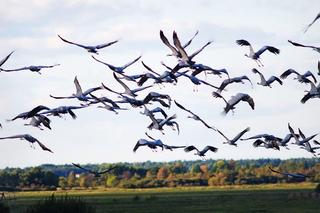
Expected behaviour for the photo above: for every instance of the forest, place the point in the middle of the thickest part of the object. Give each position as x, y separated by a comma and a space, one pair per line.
159, 174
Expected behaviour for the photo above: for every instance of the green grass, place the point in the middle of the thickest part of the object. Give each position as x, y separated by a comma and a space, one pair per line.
259, 198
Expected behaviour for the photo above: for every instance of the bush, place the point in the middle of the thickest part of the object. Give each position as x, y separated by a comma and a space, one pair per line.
317, 189
62, 204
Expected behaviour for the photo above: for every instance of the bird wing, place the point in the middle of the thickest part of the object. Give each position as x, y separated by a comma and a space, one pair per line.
301, 134
80, 167
270, 48
295, 136
274, 78
200, 50
132, 62
275, 170
313, 21
206, 83
217, 95
238, 136
89, 91
318, 67
243, 42
5, 59
308, 73
140, 89
300, 45
149, 136
262, 79
316, 142
287, 73
141, 142
211, 148
113, 68
43, 147
78, 87
106, 44
167, 43
73, 115
126, 88
106, 171
35, 110
79, 45
148, 68
13, 70
182, 107
178, 45
190, 148
223, 85
258, 142
12, 137
158, 109
189, 42
222, 134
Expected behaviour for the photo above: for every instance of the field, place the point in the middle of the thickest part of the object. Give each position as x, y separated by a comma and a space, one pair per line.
263, 198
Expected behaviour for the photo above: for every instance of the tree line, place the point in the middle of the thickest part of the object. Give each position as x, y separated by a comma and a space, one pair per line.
159, 174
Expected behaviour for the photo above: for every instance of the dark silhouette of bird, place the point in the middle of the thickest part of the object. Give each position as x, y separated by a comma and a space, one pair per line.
202, 152
90, 49
80, 94
32, 68
230, 105
194, 116
300, 77
31, 113
236, 138
263, 81
95, 173
63, 110
256, 55
228, 81
30, 139
290, 175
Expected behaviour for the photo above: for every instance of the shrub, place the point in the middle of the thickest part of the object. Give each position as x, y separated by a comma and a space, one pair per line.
62, 204
4, 208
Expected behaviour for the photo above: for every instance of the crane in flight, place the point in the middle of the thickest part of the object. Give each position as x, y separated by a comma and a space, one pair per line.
201, 153
256, 55
30, 139
91, 48
311, 23
95, 173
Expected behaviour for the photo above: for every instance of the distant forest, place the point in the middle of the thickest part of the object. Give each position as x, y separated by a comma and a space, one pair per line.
159, 174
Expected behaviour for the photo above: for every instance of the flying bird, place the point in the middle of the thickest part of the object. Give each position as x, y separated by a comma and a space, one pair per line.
127, 90
256, 55
194, 116
300, 77
303, 140
292, 175
313, 21
28, 138
230, 105
228, 81
95, 173
151, 144
32, 68
38, 120
114, 106
202, 152
80, 95
314, 92
236, 138
63, 110
317, 49
266, 144
90, 49
263, 81
31, 113
119, 70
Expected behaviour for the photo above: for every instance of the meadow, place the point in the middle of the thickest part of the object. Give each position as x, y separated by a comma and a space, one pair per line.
254, 198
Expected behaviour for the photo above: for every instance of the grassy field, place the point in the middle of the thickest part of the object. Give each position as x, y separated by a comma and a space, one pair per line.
260, 198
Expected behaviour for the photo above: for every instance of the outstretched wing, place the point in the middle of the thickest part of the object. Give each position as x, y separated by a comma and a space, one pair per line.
100, 46
313, 21
106, 171
79, 45
287, 73
43, 147
190, 148
211, 148
238, 136
5, 59
189, 42
80, 167
167, 43
270, 48
132, 62
274, 78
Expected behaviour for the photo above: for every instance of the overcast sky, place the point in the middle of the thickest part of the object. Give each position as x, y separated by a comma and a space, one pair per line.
30, 28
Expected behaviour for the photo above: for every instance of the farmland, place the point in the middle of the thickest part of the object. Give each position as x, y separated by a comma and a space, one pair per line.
257, 198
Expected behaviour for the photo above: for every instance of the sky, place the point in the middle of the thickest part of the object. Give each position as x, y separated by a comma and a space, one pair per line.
30, 28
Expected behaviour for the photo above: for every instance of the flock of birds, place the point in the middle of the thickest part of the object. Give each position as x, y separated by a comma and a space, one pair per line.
186, 67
